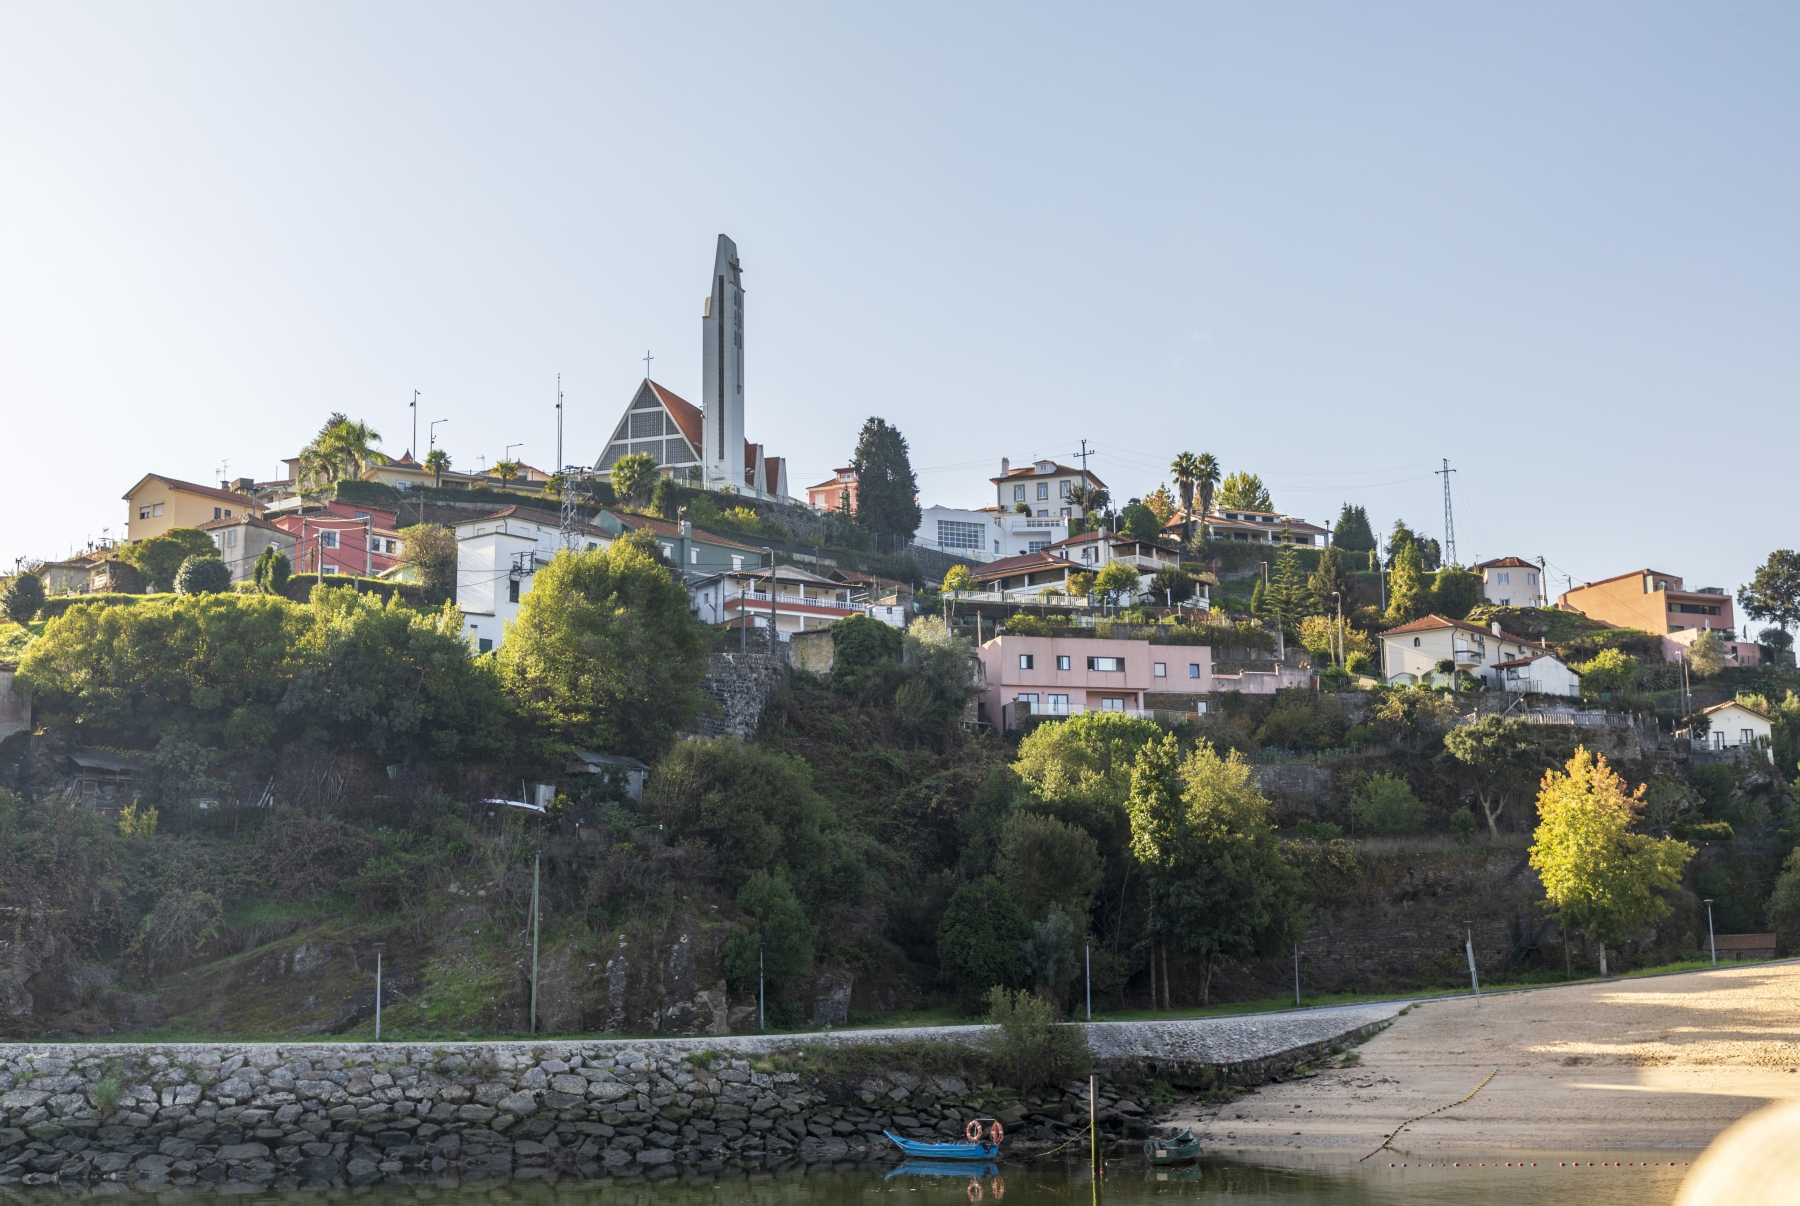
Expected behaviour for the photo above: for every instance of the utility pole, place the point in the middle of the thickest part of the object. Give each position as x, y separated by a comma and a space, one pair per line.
559, 460
762, 1015
1711, 942
1296, 975
415, 439
378, 947
1088, 950
1449, 519
537, 864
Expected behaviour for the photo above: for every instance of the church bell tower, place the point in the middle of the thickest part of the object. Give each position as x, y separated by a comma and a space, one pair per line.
722, 355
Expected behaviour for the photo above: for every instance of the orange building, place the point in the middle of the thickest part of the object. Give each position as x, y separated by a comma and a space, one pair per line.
1651, 601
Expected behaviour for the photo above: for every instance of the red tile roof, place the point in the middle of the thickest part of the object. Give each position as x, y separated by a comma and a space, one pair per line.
1027, 471
176, 483
1506, 563
1433, 622
1023, 563
254, 522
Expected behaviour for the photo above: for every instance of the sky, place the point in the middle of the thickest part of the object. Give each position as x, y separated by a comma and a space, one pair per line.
1331, 244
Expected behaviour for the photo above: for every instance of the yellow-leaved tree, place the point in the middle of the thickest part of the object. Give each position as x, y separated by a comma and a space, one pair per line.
1597, 873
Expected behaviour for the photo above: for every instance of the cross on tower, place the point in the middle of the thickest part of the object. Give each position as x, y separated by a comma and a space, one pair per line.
647, 359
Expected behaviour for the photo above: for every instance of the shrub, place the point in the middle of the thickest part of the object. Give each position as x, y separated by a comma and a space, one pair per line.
1462, 826
22, 598
978, 941
134, 822
1359, 663
1386, 804
202, 575
1028, 1047
1316, 831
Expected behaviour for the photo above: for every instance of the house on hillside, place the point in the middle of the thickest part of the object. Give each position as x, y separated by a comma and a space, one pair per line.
1411, 653
790, 599
1675, 646
1032, 576
1252, 527
1734, 725
1656, 602
242, 539
340, 538
1511, 582
987, 533
1043, 488
698, 553
1061, 676
1094, 551
1539, 673
158, 503
498, 556
834, 492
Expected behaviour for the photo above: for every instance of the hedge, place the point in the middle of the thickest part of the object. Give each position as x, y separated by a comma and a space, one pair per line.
299, 588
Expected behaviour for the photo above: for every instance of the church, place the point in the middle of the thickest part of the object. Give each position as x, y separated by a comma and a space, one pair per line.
704, 445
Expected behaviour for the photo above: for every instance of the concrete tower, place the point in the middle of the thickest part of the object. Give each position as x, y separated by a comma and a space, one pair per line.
722, 354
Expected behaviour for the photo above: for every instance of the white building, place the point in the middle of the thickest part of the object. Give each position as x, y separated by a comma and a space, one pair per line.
1510, 582
1736, 725
1042, 488
987, 534
497, 558
1411, 653
1539, 673
802, 601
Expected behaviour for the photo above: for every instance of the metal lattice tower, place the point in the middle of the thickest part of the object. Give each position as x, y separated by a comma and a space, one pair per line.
1449, 517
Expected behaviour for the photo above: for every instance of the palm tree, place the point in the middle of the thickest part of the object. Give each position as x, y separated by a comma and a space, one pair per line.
1206, 479
506, 471
1186, 468
341, 451
438, 461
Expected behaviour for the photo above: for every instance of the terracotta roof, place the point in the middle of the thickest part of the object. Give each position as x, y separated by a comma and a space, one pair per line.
1526, 661
1506, 563
1023, 563
686, 415
663, 527
1115, 537
551, 519
1030, 470
1732, 703
1639, 573
1433, 622
176, 483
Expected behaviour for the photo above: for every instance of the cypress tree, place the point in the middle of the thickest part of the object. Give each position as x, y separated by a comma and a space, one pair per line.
1353, 533
887, 502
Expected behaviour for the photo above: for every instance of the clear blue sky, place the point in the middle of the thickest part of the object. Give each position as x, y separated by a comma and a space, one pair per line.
1331, 243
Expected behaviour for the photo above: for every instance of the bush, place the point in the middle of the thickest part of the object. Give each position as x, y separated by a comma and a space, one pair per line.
1462, 826
1316, 831
783, 939
1386, 804
1359, 663
22, 598
978, 941
1028, 1047
202, 575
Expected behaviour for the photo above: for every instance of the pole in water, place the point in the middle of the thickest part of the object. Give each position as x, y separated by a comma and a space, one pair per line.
1469, 948
378, 947
762, 1017
536, 866
1088, 954
1093, 1125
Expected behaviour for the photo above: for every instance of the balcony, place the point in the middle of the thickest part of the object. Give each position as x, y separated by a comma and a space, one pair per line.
1017, 715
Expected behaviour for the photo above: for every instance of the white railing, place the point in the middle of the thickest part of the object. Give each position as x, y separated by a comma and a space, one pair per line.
1013, 714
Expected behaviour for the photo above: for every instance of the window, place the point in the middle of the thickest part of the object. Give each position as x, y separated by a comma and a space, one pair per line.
1746, 737
512, 590
1062, 661
144, 511
1026, 661
1112, 705
693, 556
1107, 665
484, 645
1531, 579
156, 508
359, 514
1062, 488
1026, 703
1036, 546
218, 514
1043, 512
230, 538
1193, 669
1018, 493
737, 562
669, 551
331, 569
959, 534
328, 540
1043, 489
1506, 602
1058, 705
1160, 669
1415, 642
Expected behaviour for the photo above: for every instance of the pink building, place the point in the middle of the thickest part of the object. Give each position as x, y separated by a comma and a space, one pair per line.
341, 538
1061, 676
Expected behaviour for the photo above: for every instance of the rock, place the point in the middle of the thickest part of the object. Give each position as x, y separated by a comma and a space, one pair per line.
20, 1100
570, 1083
468, 1113
316, 1168
518, 1103
112, 1162
237, 1151
181, 1149
655, 1155
1128, 1106
607, 1091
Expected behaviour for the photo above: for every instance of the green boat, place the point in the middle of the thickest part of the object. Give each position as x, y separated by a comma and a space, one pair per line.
1172, 1149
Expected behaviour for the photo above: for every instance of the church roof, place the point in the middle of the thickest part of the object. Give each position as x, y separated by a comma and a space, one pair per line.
685, 413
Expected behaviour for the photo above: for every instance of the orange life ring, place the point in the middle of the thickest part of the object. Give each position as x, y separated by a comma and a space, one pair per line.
973, 1131
999, 1189
997, 1133
974, 1191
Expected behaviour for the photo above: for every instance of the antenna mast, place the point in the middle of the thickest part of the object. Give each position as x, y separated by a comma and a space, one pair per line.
559, 460
1449, 517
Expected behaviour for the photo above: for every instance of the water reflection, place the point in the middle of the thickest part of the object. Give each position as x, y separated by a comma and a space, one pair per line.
932, 1183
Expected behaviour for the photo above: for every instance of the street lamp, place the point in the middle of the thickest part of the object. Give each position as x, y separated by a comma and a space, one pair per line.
1710, 940
378, 947
1339, 596
771, 552
1469, 947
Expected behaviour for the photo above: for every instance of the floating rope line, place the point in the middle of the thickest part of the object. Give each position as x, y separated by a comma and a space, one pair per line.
1390, 1138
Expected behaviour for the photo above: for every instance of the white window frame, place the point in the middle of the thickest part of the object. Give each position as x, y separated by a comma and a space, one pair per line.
1159, 669
1062, 661
1027, 661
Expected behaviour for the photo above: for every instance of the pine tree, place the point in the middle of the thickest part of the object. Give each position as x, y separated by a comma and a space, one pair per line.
1353, 533
887, 501
1406, 585
1287, 595
1331, 576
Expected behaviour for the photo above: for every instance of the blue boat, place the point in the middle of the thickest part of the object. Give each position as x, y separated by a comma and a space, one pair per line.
941, 1168
984, 1136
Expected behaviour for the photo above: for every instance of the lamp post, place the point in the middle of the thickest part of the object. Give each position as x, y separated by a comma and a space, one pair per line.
378, 947
1296, 975
1469, 948
771, 552
537, 864
1711, 942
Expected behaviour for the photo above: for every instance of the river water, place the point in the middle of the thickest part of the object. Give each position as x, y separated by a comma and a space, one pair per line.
1391, 1180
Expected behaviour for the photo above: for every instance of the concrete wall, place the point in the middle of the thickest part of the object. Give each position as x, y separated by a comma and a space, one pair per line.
15, 707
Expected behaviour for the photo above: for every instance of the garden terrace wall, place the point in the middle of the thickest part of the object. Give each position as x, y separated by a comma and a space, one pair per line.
318, 1114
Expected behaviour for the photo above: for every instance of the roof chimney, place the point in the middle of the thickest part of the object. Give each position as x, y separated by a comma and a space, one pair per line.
1496, 625
1005, 466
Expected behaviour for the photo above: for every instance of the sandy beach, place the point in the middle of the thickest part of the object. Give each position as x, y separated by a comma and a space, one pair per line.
1662, 1063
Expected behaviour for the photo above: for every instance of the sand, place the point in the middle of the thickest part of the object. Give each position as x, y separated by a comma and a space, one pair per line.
1660, 1063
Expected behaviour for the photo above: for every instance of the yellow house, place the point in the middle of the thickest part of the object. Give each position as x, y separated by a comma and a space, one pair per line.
157, 504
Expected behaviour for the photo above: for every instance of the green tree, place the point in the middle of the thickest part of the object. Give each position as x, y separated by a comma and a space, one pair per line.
887, 493
1139, 522
1784, 905
1352, 532
1609, 670
1406, 587
1046, 863
1029, 1046
1079, 770
438, 462
938, 681
1404, 537
1219, 887
506, 471
1206, 479
201, 575
1243, 491
159, 558
1455, 592
1773, 595
1495, 753
755, 809
271, 571
1081, 584
1330, 585
634, 476
1596, 872
431, 549
978, 941
605, 654
783, 936
1186, 469
341, 451
1117, 578
1287, 596
665, 499
22, 598
865, 661
960, 578
1386, 804
1707, 654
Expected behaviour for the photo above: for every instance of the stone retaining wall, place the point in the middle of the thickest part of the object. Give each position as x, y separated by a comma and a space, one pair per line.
317, 1114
